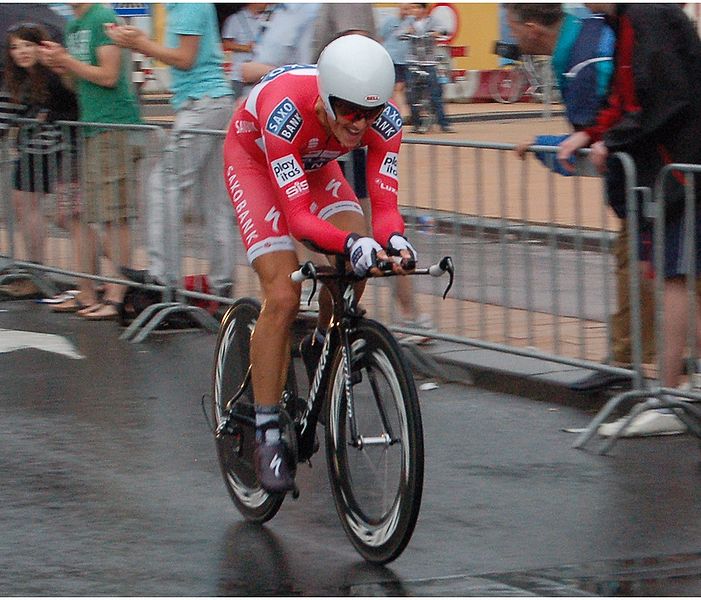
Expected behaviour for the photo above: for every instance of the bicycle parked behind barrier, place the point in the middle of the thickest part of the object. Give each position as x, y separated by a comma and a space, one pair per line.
373, 436
424, 90
526, 76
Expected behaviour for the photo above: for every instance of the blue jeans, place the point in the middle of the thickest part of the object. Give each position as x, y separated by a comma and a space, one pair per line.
436, 95
195, 184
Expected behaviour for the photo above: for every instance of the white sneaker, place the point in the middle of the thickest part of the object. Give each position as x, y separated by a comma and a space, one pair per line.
423, 322
648, 423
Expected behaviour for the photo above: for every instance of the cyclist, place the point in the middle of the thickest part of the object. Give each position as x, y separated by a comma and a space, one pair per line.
284, 181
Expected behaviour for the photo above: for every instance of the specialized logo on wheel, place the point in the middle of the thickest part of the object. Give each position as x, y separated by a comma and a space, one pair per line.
285, 120
389, 165
389, 123
275, 465
286, 170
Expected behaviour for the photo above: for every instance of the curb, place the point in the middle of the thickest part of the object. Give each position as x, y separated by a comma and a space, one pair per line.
536, 379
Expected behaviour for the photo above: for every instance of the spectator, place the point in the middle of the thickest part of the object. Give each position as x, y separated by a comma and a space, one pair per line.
240, 34
42, 95
336, 19
423, 50
653, 114
583, 48
393, 33
288, 39
104, 96
202, 99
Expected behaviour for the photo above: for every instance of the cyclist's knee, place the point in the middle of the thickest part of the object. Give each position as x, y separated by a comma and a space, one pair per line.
282, 302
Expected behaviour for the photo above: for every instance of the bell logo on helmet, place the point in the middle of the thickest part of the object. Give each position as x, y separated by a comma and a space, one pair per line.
372, 98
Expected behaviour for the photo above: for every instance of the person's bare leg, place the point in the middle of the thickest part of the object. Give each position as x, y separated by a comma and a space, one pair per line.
676, 322
32, 223
270, 342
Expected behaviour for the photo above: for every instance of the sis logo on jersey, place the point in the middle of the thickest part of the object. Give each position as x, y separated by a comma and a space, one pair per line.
285, 120
389, 123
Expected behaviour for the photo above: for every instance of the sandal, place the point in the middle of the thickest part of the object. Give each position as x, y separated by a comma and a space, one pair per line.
70, 305
107, 310
86, 310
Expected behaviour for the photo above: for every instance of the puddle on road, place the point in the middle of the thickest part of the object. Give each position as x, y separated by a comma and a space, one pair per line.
675, 575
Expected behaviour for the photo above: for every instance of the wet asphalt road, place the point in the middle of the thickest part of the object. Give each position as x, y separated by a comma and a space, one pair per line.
110, 486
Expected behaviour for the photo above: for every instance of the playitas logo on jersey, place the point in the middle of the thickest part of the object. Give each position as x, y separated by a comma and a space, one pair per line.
389, 123
285, 120
389, 165
286, 170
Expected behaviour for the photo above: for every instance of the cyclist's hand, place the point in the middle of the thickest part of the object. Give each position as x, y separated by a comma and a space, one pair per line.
399, 246
362, 252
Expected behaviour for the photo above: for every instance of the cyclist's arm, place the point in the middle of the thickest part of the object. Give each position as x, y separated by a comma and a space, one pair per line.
292, 187
384, 139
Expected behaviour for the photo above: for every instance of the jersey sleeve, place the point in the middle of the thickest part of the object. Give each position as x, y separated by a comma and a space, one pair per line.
280, 121
384, 139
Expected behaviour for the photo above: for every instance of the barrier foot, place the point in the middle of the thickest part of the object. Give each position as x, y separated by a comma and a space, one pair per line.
199, 314
143, 318
604, 414
47, 288
422, 362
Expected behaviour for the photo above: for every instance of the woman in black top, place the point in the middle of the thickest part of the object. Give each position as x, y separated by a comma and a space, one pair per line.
41, 95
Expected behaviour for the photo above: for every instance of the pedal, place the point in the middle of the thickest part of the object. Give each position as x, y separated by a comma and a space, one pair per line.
356, 377
295, 492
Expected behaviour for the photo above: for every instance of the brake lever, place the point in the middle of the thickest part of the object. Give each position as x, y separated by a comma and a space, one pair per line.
447, 265
306, 271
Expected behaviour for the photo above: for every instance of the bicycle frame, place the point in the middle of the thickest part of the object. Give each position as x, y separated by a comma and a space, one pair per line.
345, 313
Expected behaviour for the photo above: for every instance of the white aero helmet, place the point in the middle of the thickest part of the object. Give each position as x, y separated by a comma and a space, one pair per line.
357, 69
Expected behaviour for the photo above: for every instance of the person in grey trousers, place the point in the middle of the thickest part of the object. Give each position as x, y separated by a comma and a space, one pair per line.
203, 100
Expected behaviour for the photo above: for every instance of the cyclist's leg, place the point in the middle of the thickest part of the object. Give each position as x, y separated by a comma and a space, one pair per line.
270, 251
339, 205
270, 342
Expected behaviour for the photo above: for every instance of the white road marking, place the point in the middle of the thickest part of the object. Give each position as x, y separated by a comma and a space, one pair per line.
11, 340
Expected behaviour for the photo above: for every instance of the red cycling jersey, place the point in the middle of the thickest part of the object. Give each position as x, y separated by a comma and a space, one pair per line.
282, 174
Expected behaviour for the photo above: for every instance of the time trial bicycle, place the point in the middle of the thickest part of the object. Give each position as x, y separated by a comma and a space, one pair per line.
373, 428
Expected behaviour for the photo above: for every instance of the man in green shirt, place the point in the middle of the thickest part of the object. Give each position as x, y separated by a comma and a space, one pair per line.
109, 159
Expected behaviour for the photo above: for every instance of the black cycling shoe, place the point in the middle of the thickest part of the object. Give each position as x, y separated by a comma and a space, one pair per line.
310, 350
273, 467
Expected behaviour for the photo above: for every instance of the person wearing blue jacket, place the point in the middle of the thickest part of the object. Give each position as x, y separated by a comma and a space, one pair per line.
582, 48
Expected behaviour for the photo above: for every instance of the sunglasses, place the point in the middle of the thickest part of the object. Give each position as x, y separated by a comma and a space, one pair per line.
353, 112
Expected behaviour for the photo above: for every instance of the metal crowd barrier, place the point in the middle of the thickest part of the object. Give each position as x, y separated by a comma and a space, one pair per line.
652, 394
515, 230
532, 248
